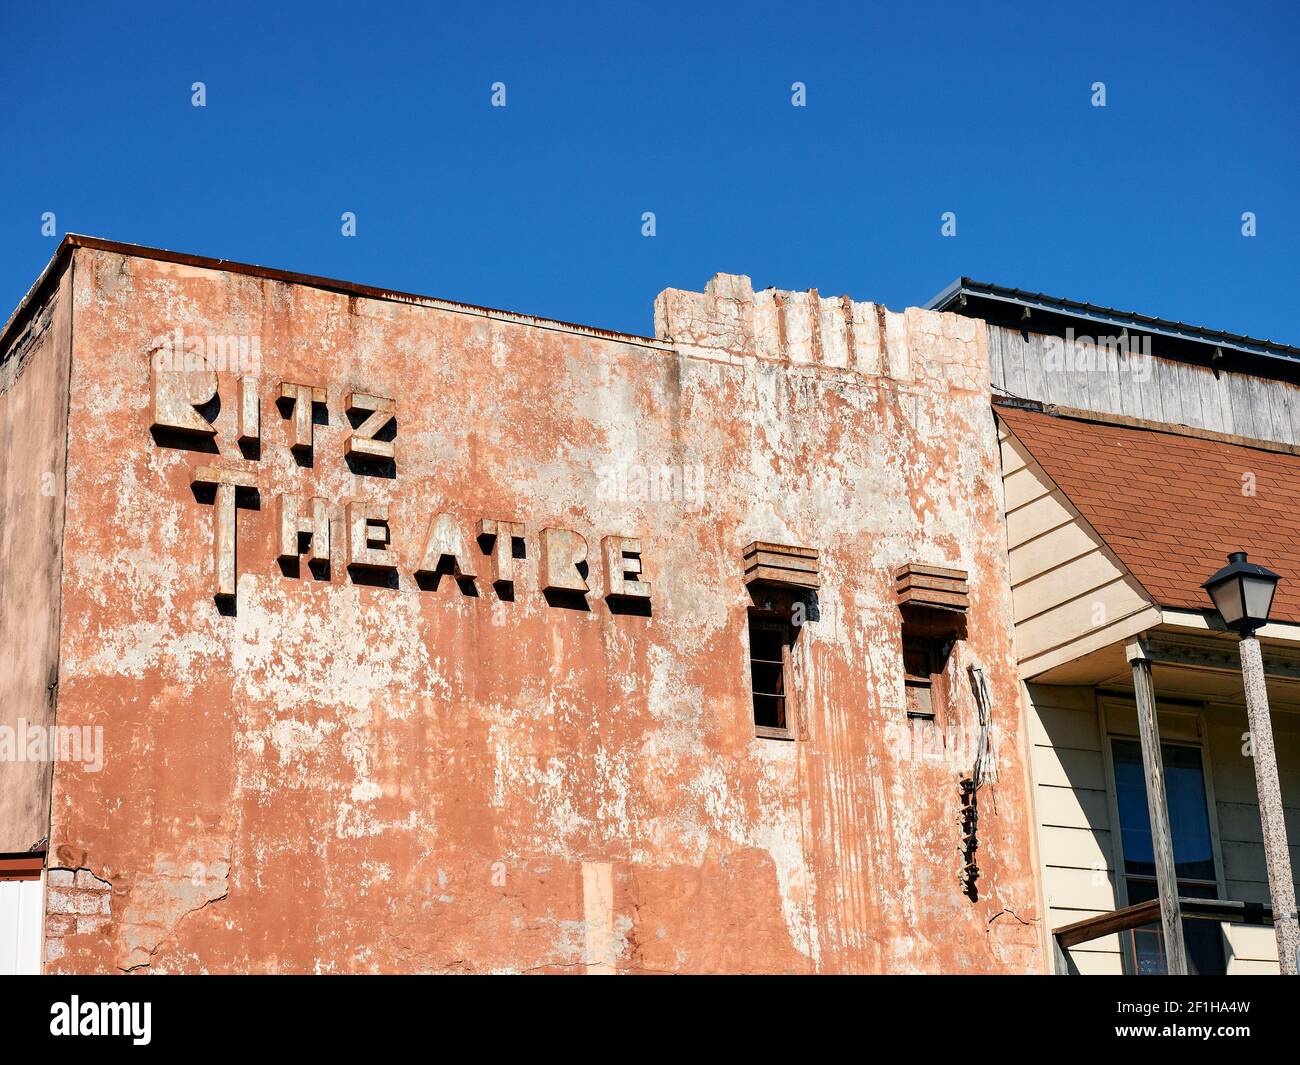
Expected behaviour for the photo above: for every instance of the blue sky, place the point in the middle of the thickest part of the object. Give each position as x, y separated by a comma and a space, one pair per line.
684, 110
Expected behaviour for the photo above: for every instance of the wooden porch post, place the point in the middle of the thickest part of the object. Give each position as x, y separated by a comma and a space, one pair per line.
1162, 844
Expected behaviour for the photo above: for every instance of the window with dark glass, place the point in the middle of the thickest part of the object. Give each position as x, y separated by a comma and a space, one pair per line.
1189, 825
770, 640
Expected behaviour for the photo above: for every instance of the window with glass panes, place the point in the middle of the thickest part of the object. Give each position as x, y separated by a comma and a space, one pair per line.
1189, 825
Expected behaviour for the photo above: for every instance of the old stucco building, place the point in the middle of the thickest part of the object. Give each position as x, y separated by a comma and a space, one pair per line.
402, 635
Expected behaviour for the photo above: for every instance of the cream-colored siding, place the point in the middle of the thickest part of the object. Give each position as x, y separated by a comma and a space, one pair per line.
1073, 810
1070, 594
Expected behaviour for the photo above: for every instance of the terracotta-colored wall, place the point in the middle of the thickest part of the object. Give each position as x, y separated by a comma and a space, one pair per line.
33, 444
339, 777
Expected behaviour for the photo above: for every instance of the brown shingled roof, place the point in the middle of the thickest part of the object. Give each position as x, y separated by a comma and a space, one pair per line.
1172, 506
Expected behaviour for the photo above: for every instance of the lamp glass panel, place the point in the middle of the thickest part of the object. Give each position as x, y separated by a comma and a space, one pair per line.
1259, 596
1228, 600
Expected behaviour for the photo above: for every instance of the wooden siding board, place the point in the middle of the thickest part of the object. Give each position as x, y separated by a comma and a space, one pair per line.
1013, 457
1066, 768
1083, 575
1260, 407
1169, 394
1065, 807
1074, 848
1128, 403
1062, 697
1063, 623
1053, 727
1282, 398
1243, 405
1049, 550
1036, 373
1084, 889
1295, 415
997, 374
1250, 967
1178, 726
1114, 388
1013, 365
1189, 390
1043, 514
1212, 406
1251, 942
1022, 486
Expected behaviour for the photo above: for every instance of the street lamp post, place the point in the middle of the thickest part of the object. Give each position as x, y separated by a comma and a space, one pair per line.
1242, 593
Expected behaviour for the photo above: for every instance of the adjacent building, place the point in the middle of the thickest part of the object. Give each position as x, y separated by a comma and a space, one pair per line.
1136, 454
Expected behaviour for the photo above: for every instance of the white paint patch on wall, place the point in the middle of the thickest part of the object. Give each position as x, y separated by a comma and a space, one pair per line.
598, 916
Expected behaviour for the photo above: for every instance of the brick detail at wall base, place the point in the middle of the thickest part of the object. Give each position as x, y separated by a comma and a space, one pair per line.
76, 900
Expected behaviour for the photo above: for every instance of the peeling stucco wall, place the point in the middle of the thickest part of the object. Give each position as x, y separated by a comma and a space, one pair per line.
340, 777
33, 443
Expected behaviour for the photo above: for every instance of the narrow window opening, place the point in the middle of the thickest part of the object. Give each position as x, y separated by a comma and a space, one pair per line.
928, 639
771, 637
932, 601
